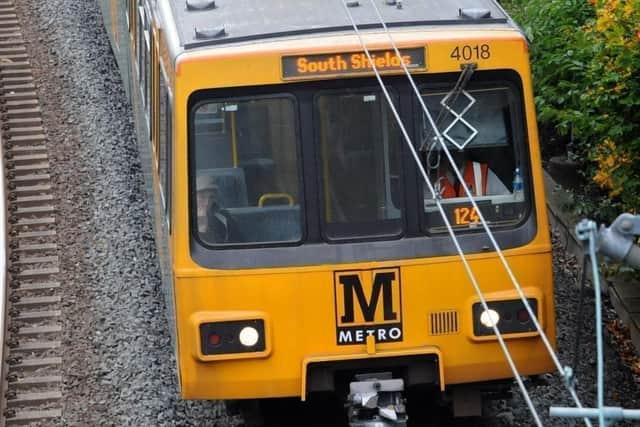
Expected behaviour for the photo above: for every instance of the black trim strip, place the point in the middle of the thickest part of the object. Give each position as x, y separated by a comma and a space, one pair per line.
325, 253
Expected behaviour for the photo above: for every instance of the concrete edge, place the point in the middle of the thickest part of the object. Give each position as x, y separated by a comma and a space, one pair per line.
624, 295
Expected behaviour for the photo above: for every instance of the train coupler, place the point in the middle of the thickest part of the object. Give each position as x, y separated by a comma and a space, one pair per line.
376, 400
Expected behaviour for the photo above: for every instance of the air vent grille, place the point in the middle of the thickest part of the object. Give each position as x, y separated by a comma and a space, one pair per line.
444, 322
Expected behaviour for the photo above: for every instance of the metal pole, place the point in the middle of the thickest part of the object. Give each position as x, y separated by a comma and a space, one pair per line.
609, 412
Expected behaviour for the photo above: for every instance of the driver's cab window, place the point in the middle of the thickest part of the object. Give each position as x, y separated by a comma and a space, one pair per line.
246, 171
477, 127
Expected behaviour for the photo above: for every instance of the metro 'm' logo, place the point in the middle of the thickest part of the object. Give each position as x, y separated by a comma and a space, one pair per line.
352, 285
368, 302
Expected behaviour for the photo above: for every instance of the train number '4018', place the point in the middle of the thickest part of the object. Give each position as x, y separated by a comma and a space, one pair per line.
470, 52
465, 216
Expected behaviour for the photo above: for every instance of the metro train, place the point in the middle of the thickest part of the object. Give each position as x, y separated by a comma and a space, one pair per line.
301, 250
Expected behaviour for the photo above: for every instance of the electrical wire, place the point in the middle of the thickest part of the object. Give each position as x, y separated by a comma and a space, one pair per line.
448, 225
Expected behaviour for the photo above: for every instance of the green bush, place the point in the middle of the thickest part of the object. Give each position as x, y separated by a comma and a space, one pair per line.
586, 66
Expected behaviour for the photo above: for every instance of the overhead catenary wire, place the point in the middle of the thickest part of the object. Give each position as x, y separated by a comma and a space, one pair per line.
467, 267
561, 370
544, 338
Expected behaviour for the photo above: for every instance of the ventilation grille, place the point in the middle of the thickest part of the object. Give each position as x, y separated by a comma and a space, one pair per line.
444, 322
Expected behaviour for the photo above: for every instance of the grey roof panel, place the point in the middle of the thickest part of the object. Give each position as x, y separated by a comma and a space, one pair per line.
257, 19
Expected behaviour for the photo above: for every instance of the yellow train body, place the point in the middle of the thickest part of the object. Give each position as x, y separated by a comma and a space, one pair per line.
299, 302
303, 306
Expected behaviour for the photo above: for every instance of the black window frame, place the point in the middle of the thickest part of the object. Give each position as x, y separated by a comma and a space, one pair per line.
164, 139
140, 50
364, 236
148, 88
489, 79
313, 249
199, 98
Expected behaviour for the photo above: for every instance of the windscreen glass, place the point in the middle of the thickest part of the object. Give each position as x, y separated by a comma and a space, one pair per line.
477, 126
246, 171
359, 146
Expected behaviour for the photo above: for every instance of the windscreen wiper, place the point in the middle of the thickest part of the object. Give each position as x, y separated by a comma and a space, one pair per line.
447, 103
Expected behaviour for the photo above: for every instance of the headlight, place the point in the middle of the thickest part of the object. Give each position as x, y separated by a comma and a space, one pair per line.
489, 318
510, 316
234, 336
248, 336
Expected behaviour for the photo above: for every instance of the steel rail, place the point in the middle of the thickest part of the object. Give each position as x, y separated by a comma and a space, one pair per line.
32, 360
3, 280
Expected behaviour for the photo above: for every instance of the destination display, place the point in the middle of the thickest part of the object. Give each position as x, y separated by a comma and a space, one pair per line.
351, 63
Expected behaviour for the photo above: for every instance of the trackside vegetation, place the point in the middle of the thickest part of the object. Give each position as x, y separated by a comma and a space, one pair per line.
586, 68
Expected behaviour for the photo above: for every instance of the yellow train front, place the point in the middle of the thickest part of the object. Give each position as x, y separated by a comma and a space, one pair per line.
305, 248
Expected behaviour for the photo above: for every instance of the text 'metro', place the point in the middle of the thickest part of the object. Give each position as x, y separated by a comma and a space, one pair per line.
368, 302
351, 63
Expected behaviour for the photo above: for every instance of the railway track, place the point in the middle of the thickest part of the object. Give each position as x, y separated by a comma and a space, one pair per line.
32, 359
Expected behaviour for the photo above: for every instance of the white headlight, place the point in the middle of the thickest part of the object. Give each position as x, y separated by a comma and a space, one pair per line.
489, 318
249, 336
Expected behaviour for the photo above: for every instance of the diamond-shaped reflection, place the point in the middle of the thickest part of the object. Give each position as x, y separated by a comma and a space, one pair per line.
459, 123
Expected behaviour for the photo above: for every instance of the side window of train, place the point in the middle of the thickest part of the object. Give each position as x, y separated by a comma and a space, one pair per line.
163, 136
127, 14
247, 172
140, 45
486, 146
148, 44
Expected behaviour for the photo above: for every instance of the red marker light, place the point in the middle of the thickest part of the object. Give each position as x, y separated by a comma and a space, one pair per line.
214, 339
523, 316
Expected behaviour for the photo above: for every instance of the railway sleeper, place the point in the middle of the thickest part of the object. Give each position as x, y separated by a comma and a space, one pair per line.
22, 399
15, 71
16, 57
8, 23
36, 234
35, 289
41, 177
16, 80
37, 301
14, 122
10, 32
39, 330
30, 364
11, 39
37, 272
27, 87
13, 49
39, 218
27, 148
30, 416
29, 158
37, 247
36, 189
37, 259
41, 200
35, 345
20, 97
37, 381
37, 316
30, 168
33, 131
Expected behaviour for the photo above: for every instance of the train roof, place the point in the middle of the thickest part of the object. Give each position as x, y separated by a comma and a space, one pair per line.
220, 22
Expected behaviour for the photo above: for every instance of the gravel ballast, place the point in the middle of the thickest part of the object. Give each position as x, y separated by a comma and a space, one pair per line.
118, 361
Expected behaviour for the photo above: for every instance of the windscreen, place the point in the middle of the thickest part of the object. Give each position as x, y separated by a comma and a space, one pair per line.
360, 156
477, 128
246, 171
326, 162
